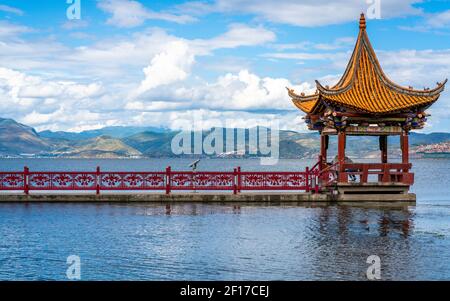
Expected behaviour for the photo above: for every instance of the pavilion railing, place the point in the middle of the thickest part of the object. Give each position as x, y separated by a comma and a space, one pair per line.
167, 181
381, 172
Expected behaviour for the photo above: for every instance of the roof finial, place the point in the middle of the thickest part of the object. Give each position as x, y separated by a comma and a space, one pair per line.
362, 22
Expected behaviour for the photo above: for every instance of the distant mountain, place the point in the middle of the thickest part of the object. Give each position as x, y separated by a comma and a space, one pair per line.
433, 138
113, 142
152, 144
98, 147
16, 139
112, 131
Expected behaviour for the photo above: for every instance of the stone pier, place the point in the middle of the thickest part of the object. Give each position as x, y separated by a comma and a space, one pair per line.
253, 197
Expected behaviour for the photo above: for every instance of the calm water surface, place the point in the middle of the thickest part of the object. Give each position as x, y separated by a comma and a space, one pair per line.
226, 242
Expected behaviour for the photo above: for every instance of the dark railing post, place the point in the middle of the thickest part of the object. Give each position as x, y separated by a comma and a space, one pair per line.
98, 178
308, 180
168, 179
239, 179
26, 187
235, 181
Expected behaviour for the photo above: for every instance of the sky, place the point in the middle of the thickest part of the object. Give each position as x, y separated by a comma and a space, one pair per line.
71, 67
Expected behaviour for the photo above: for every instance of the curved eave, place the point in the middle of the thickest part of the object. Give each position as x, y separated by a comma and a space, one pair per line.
305, 106
422, 105
301, 98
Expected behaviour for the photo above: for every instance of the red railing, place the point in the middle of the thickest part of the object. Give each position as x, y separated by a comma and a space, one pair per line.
383, 172
167, 181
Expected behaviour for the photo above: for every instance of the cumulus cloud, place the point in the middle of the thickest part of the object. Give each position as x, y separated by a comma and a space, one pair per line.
207, 119
242, 91
122, 57
153, 77
35, 100
167, 67
128, 13
174, 62
151, 64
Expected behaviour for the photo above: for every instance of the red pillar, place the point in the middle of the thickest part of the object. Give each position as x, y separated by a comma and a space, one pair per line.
384, 149
323, 151
405, 147
341, 156
404, 141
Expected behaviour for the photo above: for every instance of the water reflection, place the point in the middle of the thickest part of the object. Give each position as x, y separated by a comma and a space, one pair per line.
181, 241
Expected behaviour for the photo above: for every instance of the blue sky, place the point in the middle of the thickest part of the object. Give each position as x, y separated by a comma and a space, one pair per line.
161, 63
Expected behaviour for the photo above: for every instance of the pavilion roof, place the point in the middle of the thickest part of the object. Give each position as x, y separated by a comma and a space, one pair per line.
365, 88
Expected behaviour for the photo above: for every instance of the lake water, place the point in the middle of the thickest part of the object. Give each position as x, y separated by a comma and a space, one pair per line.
227, 242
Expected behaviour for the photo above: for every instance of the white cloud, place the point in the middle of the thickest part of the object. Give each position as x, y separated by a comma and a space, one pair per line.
237, 35
75, 24
243, 91
433, 22
118, 57
128, 13
207, 119
417, 68
307, 45
167, 67
7, 29
152, 78
35, 100
10, 9
174, 62
302, 13
439, 20
301, 55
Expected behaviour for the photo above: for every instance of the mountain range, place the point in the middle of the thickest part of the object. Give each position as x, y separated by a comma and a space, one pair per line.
19, 140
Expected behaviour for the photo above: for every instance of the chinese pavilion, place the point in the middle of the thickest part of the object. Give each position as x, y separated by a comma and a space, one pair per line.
366, 102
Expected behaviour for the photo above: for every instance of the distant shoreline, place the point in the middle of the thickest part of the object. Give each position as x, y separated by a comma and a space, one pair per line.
414, 156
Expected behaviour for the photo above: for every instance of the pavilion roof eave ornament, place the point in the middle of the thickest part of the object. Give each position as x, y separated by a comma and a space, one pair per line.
365, 87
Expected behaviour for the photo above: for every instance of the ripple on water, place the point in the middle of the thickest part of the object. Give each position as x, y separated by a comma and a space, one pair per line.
216, 242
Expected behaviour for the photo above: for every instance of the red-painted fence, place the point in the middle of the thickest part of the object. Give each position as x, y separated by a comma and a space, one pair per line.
167, 181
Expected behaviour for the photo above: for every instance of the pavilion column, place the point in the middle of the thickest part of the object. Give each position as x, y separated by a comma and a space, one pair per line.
384, 149
323, 150
404, 142
341, 155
